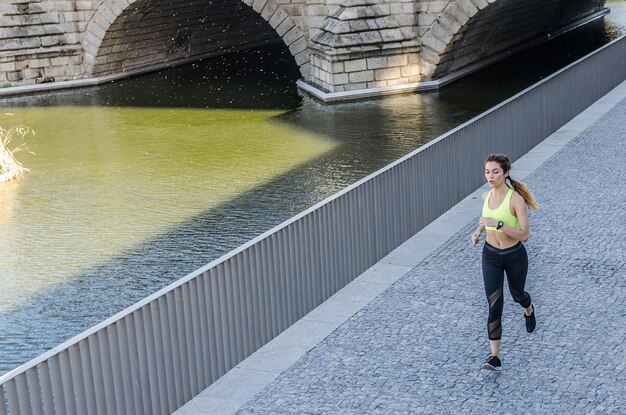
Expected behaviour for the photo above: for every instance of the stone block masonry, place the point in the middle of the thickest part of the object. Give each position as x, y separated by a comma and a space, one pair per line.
339, 45
40, 41
59, 40
383, 44
467, 32
167, 32
366, 44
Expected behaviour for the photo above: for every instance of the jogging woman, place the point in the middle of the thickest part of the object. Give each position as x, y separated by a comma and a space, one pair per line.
505, 218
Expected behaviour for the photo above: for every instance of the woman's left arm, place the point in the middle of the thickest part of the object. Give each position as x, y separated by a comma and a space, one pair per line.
519, 209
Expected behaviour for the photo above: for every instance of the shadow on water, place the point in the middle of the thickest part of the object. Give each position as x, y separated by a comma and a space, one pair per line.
370, 135
70, 307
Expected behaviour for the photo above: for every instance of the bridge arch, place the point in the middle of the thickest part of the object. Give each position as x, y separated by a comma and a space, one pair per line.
125, 35
463, 32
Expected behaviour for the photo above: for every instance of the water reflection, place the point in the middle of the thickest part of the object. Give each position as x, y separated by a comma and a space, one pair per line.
142, 181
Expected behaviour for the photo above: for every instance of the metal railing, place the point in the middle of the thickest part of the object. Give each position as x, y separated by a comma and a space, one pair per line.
156, 355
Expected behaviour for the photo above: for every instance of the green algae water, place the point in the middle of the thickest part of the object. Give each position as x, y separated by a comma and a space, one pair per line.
125, 175
140, 182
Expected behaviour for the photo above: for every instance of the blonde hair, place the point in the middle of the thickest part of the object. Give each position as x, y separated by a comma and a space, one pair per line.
519, 187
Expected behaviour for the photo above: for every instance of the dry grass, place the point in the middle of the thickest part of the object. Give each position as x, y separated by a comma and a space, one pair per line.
10, 168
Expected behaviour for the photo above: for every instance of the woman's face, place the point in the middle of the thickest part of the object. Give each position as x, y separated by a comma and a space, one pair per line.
494, 174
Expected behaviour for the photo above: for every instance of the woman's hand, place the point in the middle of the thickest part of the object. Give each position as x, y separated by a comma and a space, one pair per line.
475, 236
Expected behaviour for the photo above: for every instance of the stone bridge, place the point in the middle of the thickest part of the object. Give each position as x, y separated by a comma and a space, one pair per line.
339, 45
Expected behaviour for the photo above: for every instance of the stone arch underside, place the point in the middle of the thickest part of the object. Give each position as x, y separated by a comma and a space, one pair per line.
148, 33
467, 32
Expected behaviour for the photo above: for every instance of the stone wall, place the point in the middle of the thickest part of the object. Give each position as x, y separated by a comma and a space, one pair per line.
41, 40
367, 44
148, 34
45, 40
339, 45
152, 32
455, 34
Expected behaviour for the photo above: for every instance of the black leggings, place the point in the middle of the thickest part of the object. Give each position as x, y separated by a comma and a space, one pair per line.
514, 261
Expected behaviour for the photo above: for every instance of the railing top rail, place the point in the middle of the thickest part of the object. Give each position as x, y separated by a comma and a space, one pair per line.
138, 305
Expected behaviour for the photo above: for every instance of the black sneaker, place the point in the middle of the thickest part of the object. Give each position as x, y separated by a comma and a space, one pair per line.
493, 363
530, 320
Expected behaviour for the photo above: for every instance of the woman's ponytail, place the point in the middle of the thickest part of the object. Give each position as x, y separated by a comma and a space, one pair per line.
521, 188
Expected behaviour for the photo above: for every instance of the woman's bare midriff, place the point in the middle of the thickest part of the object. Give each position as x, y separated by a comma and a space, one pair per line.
500, 240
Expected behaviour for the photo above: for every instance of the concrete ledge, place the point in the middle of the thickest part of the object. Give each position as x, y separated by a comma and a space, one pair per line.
334, 97
248, 378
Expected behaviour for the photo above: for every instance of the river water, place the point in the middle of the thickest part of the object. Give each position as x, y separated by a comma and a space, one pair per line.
140, 182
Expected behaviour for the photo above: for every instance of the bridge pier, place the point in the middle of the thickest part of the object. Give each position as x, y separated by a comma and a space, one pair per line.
370, 45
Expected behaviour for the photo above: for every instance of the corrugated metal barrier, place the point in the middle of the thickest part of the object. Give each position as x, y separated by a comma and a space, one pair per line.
159, 353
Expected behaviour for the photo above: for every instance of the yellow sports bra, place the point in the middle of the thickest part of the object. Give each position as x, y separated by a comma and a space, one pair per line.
501, 213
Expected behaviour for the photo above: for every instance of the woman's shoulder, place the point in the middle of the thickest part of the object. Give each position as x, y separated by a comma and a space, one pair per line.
484, 195
517, 200
516, 197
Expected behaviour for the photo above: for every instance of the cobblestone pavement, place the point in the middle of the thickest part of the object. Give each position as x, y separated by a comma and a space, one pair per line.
417, 347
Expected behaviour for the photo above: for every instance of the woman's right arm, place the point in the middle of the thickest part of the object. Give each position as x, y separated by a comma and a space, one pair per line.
476, 235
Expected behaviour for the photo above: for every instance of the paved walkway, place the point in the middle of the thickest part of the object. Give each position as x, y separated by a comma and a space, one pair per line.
410, 339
